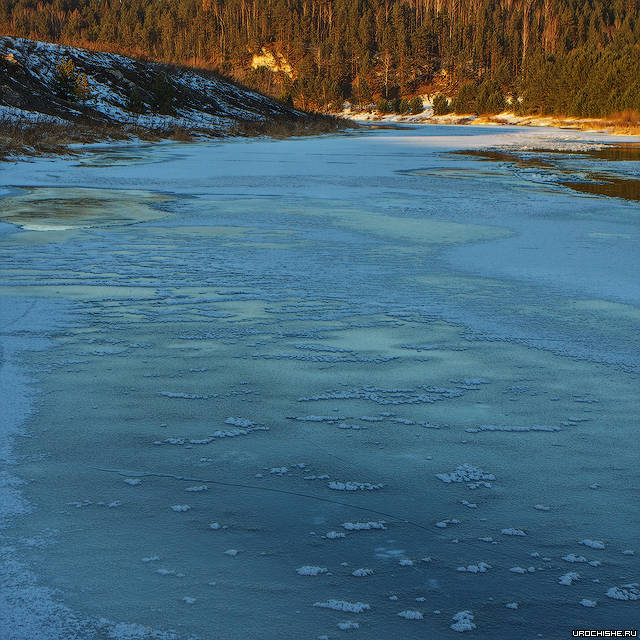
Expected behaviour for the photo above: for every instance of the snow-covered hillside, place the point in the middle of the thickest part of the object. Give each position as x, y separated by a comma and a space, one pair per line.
123, 91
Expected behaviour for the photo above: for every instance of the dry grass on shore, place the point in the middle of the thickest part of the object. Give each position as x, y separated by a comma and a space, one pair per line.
46, 137
619, 123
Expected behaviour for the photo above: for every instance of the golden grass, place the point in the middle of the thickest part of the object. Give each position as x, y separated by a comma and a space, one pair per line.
44, 137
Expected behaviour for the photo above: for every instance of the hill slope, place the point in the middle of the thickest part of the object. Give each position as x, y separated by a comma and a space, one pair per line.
53, 85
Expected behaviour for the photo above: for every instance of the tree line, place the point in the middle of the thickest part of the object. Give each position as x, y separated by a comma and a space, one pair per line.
574, 57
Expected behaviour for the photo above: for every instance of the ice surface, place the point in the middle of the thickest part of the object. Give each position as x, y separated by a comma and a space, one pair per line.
204, 323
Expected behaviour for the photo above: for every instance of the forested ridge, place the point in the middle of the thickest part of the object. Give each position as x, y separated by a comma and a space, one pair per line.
573, 57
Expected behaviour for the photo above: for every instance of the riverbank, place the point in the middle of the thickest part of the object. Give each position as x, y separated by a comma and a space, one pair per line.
620, 125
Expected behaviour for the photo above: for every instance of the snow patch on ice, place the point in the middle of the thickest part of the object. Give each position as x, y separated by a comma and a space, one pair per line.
343, 605
463, 621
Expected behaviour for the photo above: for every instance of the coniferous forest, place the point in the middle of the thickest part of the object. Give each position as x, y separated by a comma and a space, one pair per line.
571, 57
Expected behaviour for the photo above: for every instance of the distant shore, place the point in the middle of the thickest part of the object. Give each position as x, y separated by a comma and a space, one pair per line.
614, 126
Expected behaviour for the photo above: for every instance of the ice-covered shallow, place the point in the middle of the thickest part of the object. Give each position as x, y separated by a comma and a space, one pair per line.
345, 384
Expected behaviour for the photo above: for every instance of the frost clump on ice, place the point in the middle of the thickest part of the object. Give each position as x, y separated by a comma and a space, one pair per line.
308, 570
569, 578
240, 422
463, 621
332, 535
594, 544
362, 573
493, 427
408, 614
443, 524
572, 557
363, 526
348, 625
522, 571
343, 605
354, 486
480, 567
474, 476
625, 592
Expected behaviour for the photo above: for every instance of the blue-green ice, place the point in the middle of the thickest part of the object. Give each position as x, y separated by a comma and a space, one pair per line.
301, 389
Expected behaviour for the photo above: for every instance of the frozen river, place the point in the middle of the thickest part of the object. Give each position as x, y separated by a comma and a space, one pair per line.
295, 389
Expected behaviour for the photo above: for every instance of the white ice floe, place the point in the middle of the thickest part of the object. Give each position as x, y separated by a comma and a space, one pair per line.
405, 562
511, 605
352, 485
189, 600
362, 573
133, 482
279, 470
594, 544
463, 621
309, 570
201, 487
569, 578
363, 526
628, 552
624, 592
518, 570
231, 552
240, 422
348, 625
150, 558
409, 614
542, 507
180, 508
343, 605
512, 532
588, 603
353, 427
215, 526
504, 428
474, 477
480, 567
469, 505
183, 396
443, 524
572, 557
332, 535
170, 572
